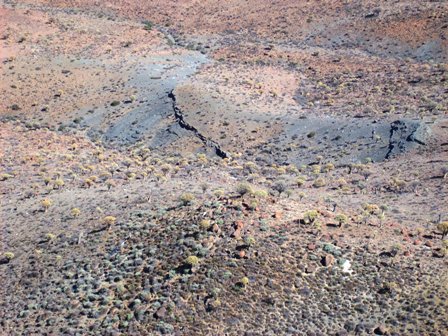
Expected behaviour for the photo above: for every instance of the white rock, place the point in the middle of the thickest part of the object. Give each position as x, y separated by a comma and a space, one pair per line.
346, 267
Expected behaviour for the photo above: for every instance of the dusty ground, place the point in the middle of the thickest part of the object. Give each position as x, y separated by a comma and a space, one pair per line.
114, 111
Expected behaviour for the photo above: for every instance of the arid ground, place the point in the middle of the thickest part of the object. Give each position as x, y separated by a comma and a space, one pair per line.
237, 167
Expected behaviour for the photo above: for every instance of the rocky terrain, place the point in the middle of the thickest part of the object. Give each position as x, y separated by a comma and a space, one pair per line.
223, 168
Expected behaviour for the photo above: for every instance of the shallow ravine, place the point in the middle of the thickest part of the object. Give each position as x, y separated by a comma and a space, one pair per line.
145, 118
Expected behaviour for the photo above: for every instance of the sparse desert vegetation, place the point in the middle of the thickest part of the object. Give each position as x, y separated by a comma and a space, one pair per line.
223, 168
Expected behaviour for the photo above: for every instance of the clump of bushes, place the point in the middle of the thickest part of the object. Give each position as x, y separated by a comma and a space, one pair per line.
9, 255
300, 181
316, 169
50, 236
88, 183
249, 240
186, 199
253, 205
243, 189
109, 221
443, 228
319, 182
219, 193
5, 176
148, 25
110, 183
310, 216
59, 183
202, 158
192, 261
341, 219
328, 167
165, 168
261, 193
245, 281
371, 209
205, 224
46, 203
75, 212
280, 187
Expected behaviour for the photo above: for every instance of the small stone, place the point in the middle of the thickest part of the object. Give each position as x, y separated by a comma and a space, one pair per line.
329, 248
278, 215
161, 312
342, 333
310, 268
326, 214
237, 234
328, 260
165, 328
215, 228
313, 257
311, 247
381, 330
349, 326
239, 224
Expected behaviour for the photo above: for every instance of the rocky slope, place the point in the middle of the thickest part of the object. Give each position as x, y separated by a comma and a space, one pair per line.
223, 168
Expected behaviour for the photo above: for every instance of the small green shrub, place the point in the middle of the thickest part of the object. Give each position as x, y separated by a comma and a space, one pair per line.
261, 193
192, 261
249, 240
75, 212
9, 255
300, 181
205, 224
219, 193
443, 228
243, 189
148, 25
310, 216
50, 236
204, 187
46, 203
341, 219
4, 177
319, 182
279, 186
245, 281
59, 183
186, 199
109, 220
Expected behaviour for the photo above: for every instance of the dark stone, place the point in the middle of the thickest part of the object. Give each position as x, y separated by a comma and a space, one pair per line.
349, 325
381, 330
160, 313
373, 14
404, 134
341, 333
328, 260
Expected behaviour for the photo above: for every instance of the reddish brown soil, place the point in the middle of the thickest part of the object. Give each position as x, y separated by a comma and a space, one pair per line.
293, 93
